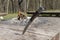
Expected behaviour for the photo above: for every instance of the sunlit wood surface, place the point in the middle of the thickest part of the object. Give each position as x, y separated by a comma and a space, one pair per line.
3, 14
44, 12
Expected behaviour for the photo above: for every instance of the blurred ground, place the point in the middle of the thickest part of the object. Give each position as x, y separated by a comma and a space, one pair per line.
15, 21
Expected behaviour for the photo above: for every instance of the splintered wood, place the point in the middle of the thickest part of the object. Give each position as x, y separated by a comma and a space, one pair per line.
41, 29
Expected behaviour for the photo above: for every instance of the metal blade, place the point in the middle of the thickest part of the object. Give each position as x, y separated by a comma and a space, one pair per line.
30, 21
33, 17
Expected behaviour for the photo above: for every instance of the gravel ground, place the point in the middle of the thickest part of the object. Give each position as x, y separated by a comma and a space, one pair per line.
14, 21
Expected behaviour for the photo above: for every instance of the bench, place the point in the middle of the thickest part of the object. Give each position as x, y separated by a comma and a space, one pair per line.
3, 14
56, 13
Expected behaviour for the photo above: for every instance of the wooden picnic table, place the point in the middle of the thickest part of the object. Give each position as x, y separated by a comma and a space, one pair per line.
3, 14
44, 12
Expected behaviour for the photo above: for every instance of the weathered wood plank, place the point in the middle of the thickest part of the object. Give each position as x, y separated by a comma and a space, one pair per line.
42, 28
44, 12
46, 26
14, 33
3, 14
